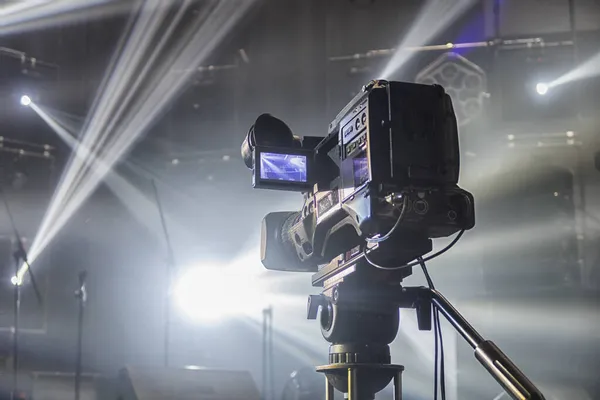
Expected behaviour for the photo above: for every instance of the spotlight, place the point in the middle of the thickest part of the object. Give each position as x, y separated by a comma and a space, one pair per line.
210, 294
16, 281
541, 88
25, 100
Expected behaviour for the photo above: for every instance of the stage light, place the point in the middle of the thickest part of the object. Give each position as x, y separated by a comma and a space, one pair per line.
541, 88
210, 293
25, 100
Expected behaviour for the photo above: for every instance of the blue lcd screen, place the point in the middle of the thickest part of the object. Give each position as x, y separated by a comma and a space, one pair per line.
360, 166
283, 167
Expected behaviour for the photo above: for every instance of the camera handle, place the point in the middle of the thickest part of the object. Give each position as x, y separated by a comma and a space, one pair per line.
422, 299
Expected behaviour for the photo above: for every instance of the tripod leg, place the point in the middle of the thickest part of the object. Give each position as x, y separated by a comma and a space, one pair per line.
329, 391
398, 386
352, 384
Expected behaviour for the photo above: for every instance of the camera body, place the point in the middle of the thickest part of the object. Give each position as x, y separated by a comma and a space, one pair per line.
394, 146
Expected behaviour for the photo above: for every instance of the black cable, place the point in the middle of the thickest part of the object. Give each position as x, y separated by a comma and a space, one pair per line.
437, 334
413, 263
400, 217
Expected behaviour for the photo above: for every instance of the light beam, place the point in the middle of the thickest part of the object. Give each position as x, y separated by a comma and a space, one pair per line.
433, 19
153, 100
588, 69
40, 14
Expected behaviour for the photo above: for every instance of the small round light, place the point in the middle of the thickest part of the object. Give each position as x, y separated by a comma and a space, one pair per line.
25, 100
542, 88
570, 134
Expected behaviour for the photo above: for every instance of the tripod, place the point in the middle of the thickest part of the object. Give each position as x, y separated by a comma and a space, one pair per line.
361, 319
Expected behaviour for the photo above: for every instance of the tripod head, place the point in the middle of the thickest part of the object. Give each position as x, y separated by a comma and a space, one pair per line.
360, 335
360, 318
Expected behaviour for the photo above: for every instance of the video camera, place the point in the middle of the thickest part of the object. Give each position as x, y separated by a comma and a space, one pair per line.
377, 189
392, 150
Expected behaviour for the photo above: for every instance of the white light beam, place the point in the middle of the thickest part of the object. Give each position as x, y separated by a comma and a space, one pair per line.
589, 69
433, 18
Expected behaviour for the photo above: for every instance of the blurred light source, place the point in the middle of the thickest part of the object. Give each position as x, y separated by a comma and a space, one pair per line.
211, 293
541, 88
16, 281
193, 367
25, 100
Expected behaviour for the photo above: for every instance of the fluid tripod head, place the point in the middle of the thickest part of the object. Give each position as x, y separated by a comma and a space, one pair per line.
360, 327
